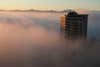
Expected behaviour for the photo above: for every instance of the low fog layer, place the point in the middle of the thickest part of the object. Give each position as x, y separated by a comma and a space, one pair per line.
29, 39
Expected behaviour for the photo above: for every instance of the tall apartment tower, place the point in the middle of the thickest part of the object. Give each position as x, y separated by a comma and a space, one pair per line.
74, 24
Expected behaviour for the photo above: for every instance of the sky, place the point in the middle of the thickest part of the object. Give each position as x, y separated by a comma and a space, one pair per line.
50, 4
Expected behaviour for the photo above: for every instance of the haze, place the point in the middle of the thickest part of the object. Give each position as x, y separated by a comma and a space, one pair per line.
50, 4
33, 39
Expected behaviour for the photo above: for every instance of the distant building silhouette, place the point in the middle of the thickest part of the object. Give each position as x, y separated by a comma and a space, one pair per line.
74, 24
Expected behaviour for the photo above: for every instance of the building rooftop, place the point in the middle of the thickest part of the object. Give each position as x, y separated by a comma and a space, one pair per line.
73, 13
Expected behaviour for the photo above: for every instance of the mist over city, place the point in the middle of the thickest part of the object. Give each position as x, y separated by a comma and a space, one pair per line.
34, 40
59, 33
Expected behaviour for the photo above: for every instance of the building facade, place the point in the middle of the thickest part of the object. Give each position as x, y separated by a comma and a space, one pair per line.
74, 24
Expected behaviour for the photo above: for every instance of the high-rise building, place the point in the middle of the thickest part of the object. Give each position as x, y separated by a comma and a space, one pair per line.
74, 24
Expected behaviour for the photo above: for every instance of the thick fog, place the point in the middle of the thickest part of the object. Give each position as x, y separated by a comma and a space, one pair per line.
33, 39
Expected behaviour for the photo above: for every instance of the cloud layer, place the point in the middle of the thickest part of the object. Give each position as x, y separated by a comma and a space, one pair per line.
34, 40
